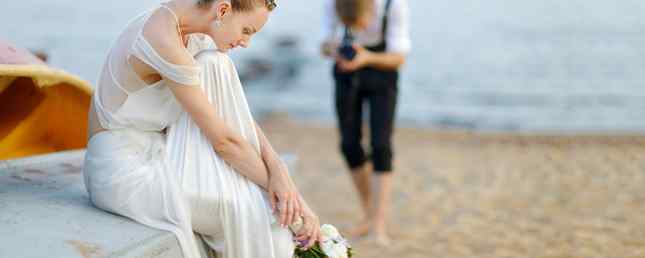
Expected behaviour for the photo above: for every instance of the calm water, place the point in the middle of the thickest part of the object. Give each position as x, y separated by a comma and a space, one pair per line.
489, 65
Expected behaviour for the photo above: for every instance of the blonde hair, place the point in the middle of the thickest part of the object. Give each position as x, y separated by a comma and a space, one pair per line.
349, 11
243, 5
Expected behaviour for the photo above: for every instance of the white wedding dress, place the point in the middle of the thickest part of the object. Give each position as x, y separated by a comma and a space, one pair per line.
176, 182
245, 226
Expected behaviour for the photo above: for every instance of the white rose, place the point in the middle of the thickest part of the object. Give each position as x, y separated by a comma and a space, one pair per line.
340, 250
328, 232
327, 248
333, 250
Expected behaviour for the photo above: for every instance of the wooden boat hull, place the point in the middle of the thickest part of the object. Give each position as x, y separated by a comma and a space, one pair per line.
42, 109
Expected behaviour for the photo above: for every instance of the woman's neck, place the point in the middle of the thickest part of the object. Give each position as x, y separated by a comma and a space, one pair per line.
191, 17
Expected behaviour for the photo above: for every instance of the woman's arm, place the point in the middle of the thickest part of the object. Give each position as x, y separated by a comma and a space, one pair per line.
277, 169
385, 60
238, 153
270, 157
364, 57
228, 144
310, 230
329, 25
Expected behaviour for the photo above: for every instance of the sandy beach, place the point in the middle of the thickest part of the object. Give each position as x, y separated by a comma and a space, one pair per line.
461, 194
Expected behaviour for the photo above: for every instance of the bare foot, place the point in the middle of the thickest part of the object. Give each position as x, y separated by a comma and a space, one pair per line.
359, 230
382, 239
378, 234
378, 239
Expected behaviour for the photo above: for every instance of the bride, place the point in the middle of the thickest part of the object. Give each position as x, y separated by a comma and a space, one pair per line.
214, 173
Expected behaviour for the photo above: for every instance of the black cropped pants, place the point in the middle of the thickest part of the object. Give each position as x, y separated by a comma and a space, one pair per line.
380, 90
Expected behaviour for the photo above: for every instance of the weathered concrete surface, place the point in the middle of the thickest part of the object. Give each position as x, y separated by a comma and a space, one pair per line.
45, 212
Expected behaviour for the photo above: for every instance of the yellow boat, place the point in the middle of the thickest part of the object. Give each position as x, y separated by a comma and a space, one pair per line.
42, 109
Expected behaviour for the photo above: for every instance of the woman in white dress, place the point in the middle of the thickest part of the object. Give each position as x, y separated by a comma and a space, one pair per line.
218, 176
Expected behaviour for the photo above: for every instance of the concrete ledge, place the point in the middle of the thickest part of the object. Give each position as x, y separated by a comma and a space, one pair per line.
45, 212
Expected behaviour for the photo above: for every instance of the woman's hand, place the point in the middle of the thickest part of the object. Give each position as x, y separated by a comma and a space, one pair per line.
283, 196
309, 233
363, 58
328, 48
281, 189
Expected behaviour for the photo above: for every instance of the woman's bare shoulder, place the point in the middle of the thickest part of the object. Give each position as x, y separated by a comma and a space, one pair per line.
160, 31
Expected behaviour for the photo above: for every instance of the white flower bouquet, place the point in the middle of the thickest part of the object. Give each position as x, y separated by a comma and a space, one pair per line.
332, 245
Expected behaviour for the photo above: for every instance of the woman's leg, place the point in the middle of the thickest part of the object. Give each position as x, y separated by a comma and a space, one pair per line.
349, 102
361, 179
207, 222
283, 242
382, 112
230, 212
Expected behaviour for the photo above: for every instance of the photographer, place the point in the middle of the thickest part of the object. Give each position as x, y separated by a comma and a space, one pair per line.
369, 40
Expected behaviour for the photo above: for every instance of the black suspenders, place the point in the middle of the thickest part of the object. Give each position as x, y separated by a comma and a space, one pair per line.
385, 21
382, 45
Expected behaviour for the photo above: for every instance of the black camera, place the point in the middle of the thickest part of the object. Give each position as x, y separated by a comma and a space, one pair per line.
346, 50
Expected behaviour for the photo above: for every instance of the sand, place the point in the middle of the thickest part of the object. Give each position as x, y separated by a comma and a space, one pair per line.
463, 194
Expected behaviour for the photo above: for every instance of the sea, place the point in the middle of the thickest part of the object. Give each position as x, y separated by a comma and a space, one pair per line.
499, 65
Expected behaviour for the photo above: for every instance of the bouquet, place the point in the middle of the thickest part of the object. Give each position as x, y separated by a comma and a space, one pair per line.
332, 245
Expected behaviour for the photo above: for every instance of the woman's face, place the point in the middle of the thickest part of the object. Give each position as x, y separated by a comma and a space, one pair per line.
236, 28
362, 22
365, 19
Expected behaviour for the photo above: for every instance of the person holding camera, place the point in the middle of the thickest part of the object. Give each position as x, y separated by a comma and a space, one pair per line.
369, 41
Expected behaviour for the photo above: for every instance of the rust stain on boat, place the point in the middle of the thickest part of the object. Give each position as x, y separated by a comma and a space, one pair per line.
86, 250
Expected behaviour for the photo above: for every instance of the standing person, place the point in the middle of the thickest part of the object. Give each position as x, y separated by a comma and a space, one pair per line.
369, 40
150, 78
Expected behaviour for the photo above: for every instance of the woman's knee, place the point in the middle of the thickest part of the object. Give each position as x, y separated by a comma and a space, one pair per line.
382, 158
207, 56
353, 153
205, 213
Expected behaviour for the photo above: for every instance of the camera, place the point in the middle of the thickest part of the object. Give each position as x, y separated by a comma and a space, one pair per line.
346, 50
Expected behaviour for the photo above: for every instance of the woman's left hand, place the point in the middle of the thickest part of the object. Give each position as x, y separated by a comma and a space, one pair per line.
309, 232
284, 197
361, 59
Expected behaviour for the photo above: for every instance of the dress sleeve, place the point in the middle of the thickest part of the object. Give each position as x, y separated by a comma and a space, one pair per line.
398, 34
329, 22
182, 74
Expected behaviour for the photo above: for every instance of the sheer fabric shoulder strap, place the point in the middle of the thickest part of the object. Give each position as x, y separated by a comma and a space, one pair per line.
171, 12
183, 74
173, 15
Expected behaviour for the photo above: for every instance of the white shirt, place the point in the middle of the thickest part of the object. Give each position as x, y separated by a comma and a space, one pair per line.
398, 35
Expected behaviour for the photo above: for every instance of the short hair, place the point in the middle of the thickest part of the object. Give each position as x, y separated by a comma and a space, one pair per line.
243, 5
349, 11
